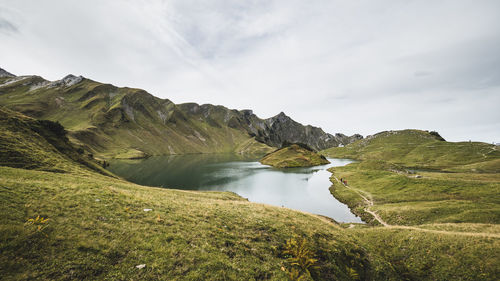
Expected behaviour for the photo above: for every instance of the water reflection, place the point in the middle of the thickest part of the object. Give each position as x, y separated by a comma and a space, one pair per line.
305, 189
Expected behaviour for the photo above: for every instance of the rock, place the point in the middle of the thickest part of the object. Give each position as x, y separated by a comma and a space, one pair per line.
282, 128
5, 73
71, 80
67, 81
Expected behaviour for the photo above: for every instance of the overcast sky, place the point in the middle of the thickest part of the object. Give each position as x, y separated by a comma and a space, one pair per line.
346, 66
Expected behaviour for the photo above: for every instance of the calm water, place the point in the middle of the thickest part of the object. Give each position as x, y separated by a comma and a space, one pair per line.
303, 189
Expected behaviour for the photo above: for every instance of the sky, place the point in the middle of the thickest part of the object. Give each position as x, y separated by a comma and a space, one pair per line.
345, 66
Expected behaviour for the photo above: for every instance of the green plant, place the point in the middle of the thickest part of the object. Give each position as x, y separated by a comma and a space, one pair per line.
300, 259
38, 224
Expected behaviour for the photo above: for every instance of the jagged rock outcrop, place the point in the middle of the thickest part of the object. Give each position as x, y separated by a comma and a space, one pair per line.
281, 128
4, 73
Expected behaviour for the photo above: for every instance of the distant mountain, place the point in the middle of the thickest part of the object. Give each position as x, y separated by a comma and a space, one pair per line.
126, 123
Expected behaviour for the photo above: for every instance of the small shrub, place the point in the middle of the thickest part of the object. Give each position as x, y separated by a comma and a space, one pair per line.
55, 127
300, 259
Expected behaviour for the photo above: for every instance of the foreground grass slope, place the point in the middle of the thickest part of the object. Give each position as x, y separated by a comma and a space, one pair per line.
77, 224
74, 223
98, 229
294, 155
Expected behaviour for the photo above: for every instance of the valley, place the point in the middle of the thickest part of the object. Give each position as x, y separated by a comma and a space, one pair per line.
431, 207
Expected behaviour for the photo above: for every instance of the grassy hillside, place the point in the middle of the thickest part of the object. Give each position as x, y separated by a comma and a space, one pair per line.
187, 235
294, 156
78, 224
413, 177
39, 144
432, 198
429, 197
424, 150
124, 122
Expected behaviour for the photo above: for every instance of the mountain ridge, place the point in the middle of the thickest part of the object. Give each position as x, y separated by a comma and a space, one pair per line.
124, 122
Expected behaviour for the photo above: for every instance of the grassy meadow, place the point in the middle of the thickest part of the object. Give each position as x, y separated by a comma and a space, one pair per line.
430, 201
63, 217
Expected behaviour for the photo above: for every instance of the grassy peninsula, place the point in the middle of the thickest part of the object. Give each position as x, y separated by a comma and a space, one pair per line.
294, 155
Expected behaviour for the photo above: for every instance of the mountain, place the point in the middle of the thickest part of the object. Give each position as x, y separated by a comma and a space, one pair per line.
282, 128
110, 121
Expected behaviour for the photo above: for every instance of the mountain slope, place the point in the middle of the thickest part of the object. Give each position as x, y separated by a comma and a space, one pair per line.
125, 122
39, 144
421, 149
413, 177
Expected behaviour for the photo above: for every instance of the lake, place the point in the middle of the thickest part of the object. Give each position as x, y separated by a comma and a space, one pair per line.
305, 189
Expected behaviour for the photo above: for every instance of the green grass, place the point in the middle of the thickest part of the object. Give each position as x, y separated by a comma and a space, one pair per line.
33, 144
435, 197
420, 149
293, 156
439, 198
415, 178
98, 228
418, 255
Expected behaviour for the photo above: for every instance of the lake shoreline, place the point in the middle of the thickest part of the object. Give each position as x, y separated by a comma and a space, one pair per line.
303, 189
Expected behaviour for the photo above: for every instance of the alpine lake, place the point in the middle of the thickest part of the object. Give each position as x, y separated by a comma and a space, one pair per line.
304, 189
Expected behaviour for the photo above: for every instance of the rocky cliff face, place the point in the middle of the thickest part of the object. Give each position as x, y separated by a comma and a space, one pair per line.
105, 119
4, 73
282, 128
273, 131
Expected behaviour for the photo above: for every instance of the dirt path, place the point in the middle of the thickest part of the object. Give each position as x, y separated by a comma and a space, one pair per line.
367, 197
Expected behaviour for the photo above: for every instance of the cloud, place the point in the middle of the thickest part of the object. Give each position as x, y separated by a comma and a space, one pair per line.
347, 66
6, 26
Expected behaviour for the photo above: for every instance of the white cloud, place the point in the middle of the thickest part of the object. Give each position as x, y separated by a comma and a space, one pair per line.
347, 66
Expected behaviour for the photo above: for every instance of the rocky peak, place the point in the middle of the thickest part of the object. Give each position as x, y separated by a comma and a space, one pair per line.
281, 118
5, 73
67, 81
71, 80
